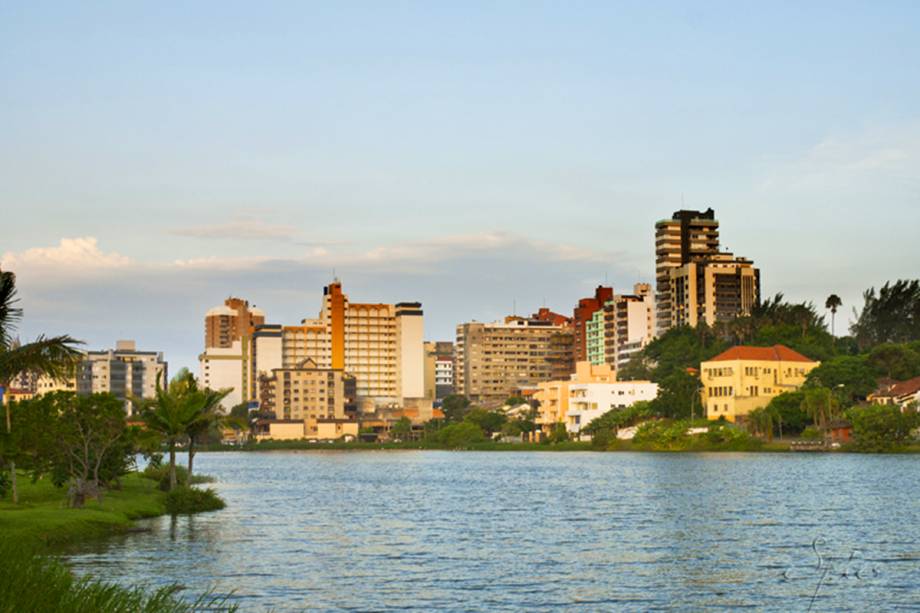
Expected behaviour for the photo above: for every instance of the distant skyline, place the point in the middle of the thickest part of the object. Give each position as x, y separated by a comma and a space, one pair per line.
157, 158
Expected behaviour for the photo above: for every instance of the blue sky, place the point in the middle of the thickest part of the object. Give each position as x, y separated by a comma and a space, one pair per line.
157, 157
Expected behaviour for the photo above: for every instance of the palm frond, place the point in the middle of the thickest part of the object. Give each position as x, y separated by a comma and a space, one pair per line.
10, 314
55, 356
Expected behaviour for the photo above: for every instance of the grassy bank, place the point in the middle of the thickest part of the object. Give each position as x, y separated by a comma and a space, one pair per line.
42, 518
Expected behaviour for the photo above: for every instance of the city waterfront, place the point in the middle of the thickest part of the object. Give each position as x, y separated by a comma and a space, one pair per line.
433, 530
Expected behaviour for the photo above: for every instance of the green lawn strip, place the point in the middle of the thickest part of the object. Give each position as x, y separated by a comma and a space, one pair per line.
42, 518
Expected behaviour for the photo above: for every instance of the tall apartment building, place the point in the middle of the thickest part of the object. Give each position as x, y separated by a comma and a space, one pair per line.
381, 345
695, 282
123, 371
583, 313
677, 240
713, 289
494, 360
624, 325
629, 324
226, 362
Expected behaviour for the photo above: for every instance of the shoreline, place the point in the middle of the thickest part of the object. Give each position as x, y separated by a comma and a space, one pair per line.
784, 446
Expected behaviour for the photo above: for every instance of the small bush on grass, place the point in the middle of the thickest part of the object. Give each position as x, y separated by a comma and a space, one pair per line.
160, 474
186, 500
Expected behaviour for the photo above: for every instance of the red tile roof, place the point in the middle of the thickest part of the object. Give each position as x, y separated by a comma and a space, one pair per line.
905, 388
776, 353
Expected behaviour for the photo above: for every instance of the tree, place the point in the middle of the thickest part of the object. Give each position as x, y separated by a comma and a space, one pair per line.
891, 315
55, 356
895, 361
678, 395
820, 404
402, 428
80, 440
488, 421
851, 377
879, 427
833, 303
762, 421
455, 407
171, 413
460, 435
208, 417
788, 413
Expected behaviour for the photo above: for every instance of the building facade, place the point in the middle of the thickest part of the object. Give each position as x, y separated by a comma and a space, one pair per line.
227, 359
628, 325
588, 401
552, 396
685, 235
124, 372
308, 393
582, 315
495, 360
712, 290
439, 370
743, 379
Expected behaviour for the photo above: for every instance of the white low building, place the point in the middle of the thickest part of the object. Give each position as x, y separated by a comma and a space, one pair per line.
588, 401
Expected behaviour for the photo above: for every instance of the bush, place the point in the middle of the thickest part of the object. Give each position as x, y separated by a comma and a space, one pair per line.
186, 500
460, 435
878, 427
160, 474
811, 434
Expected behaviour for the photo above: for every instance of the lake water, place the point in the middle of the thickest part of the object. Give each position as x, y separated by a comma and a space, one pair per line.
454, 531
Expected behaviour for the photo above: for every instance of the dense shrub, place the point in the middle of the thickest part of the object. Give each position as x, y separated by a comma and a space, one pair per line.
667, 435
185, 500
879, 427
460, 435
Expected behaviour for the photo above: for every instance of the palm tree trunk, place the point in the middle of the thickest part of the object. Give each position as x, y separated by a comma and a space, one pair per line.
172, 465
191, 457
13, 489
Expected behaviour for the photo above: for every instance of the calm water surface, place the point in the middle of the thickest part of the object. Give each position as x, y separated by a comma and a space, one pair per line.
537, 531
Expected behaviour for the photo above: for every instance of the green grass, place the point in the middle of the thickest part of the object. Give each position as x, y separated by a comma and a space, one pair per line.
35, 583
42, 517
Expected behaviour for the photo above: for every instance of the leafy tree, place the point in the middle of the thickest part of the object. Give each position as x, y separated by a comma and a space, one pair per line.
833, 303
879, 427
614, 419
488, 421
787, 409
240, 412
55, 356
678, 396
171, 413
80, 440
890, 315
762, 421
402, 428
820, 404
515, 401
460, 435
851, 377
895, 361
455, 407
558, 433
677, 350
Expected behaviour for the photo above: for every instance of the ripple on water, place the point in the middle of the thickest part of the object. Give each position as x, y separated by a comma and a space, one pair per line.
539, 531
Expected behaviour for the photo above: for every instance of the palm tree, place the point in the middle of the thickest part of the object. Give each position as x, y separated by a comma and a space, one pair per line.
833, 302
209, 413
171, 412
54, 356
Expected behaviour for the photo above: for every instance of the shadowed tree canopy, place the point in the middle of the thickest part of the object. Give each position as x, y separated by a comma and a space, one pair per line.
889, 315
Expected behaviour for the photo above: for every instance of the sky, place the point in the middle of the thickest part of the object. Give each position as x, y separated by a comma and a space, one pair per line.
157, 157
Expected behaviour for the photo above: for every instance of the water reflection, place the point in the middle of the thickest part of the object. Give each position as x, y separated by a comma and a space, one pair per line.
530, 531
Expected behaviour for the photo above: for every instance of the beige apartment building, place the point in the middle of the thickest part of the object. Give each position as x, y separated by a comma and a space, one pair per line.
309, 393
713, 289
695, 282
227, 360
495, 360
744, 378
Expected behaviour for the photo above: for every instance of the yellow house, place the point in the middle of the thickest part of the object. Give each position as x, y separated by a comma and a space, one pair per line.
743, 379
553, 396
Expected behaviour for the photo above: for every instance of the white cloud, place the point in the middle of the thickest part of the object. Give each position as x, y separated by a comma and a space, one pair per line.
874, 159
71, 254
